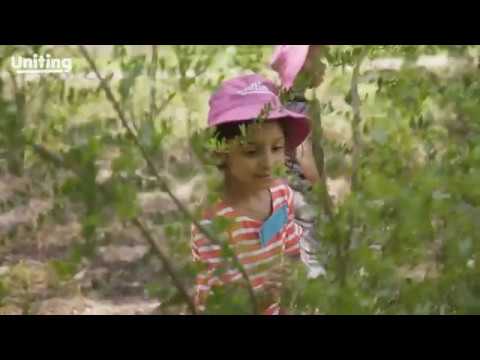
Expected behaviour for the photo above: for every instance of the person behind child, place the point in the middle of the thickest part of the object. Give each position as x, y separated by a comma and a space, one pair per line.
259, 205
300, 67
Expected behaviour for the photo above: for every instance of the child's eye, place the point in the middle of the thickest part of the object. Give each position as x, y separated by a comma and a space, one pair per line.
250, 152
278, 148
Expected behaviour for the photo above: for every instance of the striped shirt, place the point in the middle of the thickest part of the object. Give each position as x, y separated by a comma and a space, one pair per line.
244, 238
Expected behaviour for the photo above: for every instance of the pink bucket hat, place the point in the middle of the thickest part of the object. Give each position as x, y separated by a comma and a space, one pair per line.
244, 97
287, 61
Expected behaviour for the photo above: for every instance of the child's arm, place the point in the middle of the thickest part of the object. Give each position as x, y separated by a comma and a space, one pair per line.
306, 160
309, 245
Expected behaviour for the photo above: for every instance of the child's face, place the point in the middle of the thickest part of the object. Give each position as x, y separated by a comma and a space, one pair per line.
251, 162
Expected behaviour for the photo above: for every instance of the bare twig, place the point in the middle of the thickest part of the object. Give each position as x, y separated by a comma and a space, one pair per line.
163, 184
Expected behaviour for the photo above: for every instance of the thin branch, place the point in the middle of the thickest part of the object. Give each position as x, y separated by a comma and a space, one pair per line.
153, 88
319, 157
132, 116
166, 263
163, 184
355, 104
49, 156
165, 102
60, 162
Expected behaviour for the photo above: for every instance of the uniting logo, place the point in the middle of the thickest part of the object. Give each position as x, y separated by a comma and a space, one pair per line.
41, 64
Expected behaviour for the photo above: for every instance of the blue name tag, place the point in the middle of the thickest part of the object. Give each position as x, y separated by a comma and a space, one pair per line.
273, 225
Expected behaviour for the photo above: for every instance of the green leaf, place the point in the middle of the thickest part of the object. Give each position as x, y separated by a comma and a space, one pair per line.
65, 270
228, 300
126, 203
126, 162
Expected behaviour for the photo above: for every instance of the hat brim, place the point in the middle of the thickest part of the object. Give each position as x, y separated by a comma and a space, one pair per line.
297, 126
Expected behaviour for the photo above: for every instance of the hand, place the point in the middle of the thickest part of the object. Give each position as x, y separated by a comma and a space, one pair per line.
306, 161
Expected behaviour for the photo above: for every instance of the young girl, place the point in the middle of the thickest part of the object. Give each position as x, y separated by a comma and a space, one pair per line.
260, 206
300, 67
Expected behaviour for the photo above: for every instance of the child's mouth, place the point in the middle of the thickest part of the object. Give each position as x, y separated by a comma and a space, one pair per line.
265, 177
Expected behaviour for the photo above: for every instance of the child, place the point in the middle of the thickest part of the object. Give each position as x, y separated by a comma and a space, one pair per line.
260, 206
301, 67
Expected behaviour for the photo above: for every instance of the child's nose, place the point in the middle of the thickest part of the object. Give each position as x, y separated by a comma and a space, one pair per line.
268, 160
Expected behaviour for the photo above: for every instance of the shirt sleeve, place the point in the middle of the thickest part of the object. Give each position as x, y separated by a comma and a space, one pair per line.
208, 255
216, 270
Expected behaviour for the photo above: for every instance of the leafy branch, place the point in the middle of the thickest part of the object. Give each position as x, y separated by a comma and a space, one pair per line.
58, 161
355, 104
163, 185
343, 254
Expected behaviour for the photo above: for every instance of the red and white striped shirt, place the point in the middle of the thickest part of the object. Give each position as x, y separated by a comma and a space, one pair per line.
244, 239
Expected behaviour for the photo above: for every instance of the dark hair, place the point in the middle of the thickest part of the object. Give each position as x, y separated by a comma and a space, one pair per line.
229, 131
